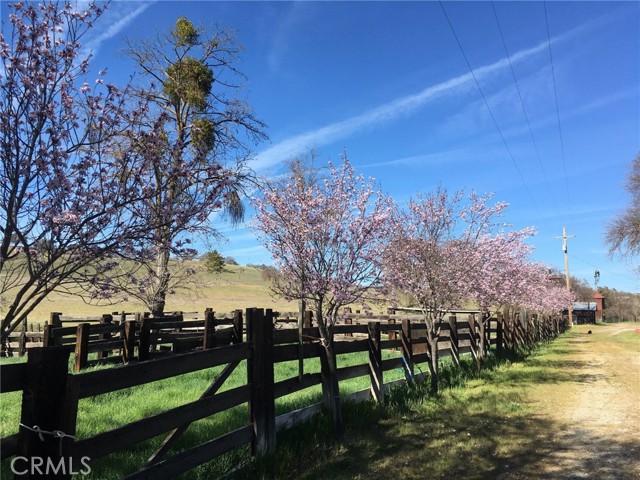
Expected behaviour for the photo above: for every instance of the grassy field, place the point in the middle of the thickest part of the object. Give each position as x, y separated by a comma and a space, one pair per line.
238, 287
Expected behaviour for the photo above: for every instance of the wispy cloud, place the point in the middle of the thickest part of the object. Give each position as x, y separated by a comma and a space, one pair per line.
426, 159
395, 109
588, 212
111, 23
282, 31
382, 114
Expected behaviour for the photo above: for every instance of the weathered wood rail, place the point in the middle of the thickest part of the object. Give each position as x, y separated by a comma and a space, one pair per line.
51, 394
124, 337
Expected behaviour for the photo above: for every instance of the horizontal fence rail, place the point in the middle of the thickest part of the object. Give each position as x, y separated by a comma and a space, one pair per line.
255, 341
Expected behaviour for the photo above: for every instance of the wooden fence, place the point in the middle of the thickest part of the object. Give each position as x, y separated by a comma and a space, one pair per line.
51, 393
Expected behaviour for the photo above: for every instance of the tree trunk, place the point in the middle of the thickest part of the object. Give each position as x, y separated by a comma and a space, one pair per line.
158, 301
433, 362
330, 372
334, 390
482, 348
12, 320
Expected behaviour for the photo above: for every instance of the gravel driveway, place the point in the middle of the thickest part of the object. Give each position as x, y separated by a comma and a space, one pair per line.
596, 406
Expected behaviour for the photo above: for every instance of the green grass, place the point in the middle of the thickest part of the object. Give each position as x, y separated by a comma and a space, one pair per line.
450, 429
482, 425
105, 412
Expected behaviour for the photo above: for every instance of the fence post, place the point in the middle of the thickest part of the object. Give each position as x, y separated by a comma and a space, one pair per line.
533, 331
145, 339
512, 337
508, 331
375, 362
348, 320
237, 326
393, 335
43, 408
209, 337
407, 349
302, 308
54, 319
512, 329
499, 333
520, 333
260, 373
489, 320
453, 340
308, 319
129, 340
47, 337
82, 347
107, 319
484, 334
473, 343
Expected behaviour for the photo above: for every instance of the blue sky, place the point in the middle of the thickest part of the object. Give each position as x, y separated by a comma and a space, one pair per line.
388, 82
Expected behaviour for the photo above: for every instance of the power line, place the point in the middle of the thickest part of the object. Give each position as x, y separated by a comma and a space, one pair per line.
524, 110
555, 94
484, 98
602, 269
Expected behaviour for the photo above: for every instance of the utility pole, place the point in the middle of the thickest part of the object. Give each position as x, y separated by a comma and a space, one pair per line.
566, 268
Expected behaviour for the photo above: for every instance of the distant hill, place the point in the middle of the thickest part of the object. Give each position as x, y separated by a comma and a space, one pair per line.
238, 287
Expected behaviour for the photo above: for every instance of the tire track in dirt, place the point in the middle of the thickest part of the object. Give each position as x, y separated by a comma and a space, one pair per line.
596, 408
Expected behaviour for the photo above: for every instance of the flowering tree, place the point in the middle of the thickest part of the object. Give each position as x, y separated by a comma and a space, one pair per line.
327, 239
196, 162
539, 292
500, 275
433, 254
506, 279
66, 185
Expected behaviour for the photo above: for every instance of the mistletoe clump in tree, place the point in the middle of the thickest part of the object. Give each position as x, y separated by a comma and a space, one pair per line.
68, 183
205, 130
327, 239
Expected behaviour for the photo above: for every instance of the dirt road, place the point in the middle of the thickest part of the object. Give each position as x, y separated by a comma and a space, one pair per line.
595, 406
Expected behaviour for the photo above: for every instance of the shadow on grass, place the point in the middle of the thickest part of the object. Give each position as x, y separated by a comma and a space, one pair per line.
482, 431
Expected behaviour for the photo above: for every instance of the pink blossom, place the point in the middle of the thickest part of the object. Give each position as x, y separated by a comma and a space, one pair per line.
66, 217
327, 238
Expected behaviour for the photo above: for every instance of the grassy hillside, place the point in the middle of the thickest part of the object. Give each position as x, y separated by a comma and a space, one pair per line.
238, 287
